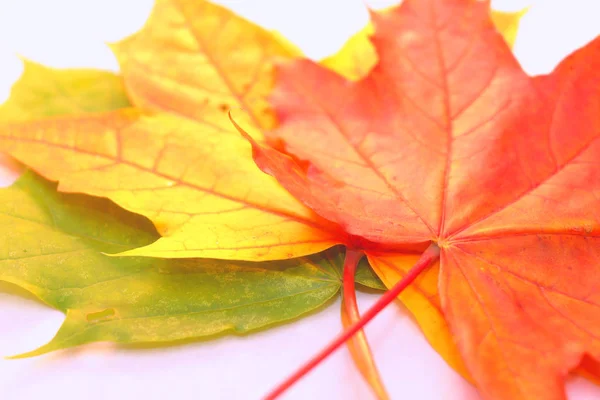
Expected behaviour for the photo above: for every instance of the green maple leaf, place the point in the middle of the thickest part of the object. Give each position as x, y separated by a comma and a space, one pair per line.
55, 245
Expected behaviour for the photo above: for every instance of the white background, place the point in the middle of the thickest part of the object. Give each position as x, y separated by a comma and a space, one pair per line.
72, 33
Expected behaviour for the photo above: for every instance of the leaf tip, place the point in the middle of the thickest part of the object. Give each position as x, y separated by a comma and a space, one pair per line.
47, 348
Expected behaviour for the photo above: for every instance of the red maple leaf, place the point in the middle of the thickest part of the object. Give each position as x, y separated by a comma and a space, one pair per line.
449, 146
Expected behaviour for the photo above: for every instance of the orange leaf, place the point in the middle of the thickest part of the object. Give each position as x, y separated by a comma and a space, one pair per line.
358, 56
205, 203
353, 61
449, 141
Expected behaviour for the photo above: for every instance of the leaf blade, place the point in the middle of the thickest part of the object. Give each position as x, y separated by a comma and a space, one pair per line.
44, 92
148, 164
355, 59
226, 47
131, 299
468, 152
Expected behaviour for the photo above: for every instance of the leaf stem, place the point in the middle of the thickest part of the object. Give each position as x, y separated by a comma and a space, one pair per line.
427, 258
349, 296
358, 345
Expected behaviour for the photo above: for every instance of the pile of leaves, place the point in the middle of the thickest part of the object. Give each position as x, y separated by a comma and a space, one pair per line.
223, 183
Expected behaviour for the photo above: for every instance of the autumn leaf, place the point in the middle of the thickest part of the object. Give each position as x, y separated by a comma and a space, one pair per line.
205, 203
198, 60
150, 76
76, 91
448, 145
354, 61
169, 27
44, 92
96, 310
358, 56
136, 299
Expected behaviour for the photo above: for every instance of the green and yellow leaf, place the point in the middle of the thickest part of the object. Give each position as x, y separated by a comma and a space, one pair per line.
54, 245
